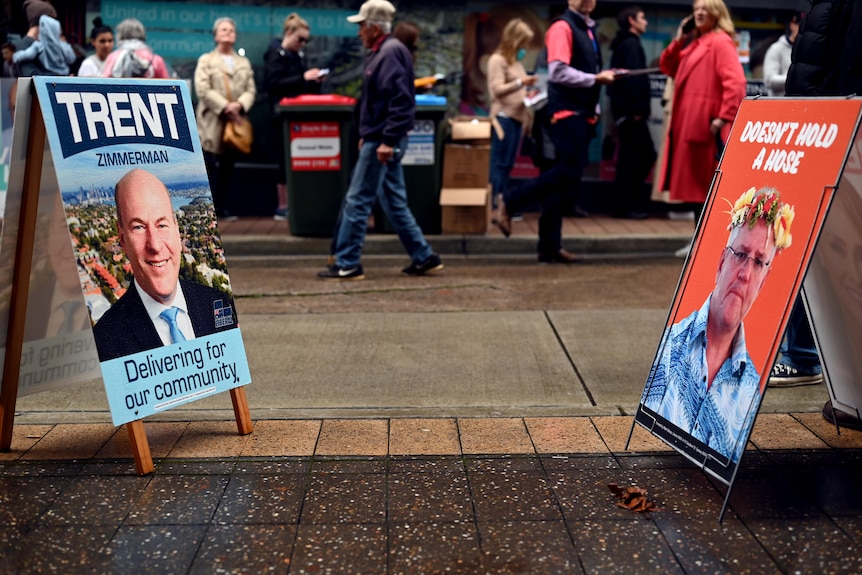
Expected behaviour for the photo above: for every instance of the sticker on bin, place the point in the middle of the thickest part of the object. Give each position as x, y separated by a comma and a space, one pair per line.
315, 146
420, 144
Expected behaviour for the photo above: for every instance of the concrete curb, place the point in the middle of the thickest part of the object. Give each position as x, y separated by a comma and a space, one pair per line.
387, 244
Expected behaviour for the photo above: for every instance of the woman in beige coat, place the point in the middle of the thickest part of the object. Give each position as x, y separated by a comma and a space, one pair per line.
224, 84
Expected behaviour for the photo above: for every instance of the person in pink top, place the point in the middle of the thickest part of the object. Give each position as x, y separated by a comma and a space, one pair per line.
133, 58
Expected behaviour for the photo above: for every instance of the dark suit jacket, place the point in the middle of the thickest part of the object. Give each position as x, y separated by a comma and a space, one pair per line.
126, 328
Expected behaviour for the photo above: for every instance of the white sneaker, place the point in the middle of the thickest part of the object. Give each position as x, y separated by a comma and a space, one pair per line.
681, 216
683, 251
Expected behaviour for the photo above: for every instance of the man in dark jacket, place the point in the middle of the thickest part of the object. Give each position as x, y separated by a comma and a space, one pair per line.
386, 114
826, 61
630, 106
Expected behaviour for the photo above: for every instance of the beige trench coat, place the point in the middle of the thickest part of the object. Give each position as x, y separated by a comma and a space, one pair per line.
212, 96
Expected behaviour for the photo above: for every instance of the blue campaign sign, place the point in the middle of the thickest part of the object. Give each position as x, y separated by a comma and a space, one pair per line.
131, 176
152, 381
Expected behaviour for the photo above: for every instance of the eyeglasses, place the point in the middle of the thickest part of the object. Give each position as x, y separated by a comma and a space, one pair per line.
303, 39
741, 258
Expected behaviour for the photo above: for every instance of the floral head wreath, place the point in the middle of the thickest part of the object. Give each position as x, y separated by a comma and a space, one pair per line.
764, 204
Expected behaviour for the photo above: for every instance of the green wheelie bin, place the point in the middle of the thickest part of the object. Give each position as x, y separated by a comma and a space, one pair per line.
320, 149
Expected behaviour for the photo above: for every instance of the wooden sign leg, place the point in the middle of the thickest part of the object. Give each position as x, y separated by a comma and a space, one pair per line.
140, 447
240, 410
21, 274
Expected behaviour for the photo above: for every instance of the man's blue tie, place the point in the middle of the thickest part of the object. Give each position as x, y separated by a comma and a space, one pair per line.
170, 316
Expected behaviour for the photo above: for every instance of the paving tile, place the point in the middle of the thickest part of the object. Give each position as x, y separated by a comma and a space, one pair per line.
245, 549
528, 547
852, 526
833, 488
364, 465
686, 493
161, 435
615, 429
565, 435
10, 546
345, 498
196, 467
283, 438
210, 439
672, 460
272, 466
271, 499
572, 462
23, 438
342, 548
584, 494
504, 464
781, 431
71, 441
846, 439
99, 500
66, 549
494, 435
423, 437
155, 549
814, 545
513, 496
178, 500
424, 496
707, 546
766, 493
450, 465
608, 546
353, 437
434, 548
24, 499
36, 468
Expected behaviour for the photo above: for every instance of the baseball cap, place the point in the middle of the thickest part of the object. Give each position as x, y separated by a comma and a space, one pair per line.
377, 10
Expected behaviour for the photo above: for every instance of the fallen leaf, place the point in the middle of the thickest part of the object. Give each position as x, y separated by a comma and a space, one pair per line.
633, 498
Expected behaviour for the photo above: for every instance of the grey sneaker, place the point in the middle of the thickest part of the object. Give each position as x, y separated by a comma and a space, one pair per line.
785, 376
280, 215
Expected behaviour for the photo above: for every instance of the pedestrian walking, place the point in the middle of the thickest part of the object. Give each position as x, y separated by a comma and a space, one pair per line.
575, 77
507, 87
387, 109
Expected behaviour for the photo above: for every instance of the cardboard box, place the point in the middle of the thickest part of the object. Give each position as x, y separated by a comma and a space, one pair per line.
465, 210
466, 165
472, 129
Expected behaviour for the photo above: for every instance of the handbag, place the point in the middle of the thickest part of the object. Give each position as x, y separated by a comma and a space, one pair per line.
237, 135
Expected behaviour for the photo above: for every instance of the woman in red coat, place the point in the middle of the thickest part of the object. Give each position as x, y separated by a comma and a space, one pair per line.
709, 85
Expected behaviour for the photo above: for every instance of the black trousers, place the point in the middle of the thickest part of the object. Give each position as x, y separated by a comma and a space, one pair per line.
635, 157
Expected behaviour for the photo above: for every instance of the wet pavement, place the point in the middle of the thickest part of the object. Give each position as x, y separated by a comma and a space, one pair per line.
374, 453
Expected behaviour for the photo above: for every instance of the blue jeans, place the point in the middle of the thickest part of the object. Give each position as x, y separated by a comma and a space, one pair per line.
503, 154
372, 179
798, 349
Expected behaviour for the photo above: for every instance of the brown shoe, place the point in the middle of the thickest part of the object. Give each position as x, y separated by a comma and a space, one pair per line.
503, 220
843, 418
560, 257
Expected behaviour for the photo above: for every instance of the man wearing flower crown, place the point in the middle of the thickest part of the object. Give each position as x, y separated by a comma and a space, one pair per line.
703, 380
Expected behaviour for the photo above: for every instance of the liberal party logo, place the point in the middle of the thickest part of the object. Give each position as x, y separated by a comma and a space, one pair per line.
96, 115
223, 314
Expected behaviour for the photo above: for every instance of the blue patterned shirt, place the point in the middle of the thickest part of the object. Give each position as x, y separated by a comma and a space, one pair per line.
677, 389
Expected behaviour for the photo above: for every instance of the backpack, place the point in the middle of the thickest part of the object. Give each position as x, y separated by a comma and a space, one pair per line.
130, 64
